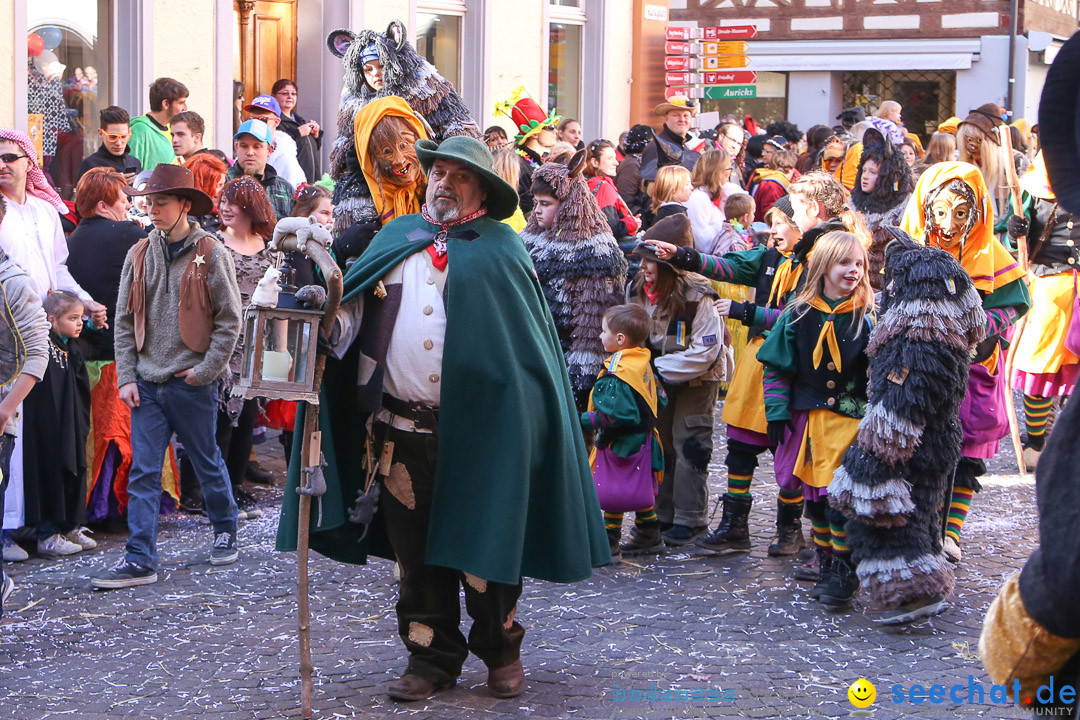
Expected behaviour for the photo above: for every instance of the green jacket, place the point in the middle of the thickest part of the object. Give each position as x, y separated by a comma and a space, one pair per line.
150, 144
513, 492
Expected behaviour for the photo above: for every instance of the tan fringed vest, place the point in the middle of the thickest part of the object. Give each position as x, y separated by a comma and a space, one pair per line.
196, 309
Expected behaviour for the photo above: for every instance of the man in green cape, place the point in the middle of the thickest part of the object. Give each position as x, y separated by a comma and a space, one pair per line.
451, 372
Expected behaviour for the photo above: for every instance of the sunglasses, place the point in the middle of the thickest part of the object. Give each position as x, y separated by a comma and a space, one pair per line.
11, 157
116, 138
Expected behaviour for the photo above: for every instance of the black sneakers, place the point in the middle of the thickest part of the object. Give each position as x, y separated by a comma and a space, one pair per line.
123, 574
224, 551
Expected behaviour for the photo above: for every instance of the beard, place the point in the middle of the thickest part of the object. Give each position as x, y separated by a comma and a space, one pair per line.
443, 209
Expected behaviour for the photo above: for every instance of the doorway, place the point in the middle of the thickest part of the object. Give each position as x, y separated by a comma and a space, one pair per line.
266, 42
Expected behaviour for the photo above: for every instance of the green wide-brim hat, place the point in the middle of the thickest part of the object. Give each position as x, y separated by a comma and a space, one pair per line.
502, 199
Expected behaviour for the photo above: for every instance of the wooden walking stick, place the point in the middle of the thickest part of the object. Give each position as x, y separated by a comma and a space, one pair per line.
311, 481
1022, 259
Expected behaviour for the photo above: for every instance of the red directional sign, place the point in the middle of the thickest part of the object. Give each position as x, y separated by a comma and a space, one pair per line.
733, 32
677, 48
680, 62
712, 77
737, 77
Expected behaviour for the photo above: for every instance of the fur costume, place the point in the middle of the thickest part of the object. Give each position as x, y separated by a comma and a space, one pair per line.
885, 204
893, 480
580, 266
406, 75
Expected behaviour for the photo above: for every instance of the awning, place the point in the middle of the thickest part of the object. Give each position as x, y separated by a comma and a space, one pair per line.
839, 55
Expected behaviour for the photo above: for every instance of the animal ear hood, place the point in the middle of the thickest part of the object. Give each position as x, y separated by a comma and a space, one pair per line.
577, 163
338, 41
395, 32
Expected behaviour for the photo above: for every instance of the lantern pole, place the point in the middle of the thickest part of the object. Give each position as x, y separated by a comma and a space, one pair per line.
310, 452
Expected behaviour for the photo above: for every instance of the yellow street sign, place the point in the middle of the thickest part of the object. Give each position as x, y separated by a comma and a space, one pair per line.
724, 48
722, 62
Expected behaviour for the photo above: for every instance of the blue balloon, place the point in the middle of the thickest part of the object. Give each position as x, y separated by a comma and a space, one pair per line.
52, 36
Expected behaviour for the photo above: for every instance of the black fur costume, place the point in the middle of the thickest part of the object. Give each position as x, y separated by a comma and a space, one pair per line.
884, 205
405, 74
892, 481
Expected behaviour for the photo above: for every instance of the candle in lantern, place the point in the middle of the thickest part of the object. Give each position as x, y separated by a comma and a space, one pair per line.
275, 365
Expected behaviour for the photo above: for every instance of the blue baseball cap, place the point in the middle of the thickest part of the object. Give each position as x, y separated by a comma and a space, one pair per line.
257, 129
264, 102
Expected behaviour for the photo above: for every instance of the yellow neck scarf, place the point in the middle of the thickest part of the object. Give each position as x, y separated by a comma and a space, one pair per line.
787, 279
828, 330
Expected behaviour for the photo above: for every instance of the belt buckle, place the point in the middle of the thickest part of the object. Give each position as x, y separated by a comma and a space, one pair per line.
427, 417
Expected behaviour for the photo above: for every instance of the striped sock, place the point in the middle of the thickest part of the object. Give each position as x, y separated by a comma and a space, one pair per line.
646, 518
1036, 412
958, 510
613, 521
791, 497
738, 485
840, 547
821, 534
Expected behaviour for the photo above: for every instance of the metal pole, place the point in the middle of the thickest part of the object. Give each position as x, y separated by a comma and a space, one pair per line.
1013, 12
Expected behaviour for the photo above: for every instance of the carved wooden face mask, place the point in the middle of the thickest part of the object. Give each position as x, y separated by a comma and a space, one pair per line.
973, 144
393, 150
951, 215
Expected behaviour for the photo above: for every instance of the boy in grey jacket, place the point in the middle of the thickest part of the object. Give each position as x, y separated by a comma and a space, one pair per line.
177, 321
24, 356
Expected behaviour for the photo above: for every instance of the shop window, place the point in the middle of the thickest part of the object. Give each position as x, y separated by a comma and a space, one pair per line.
67, 81
764, 100
928, 97
438, 39
566, 26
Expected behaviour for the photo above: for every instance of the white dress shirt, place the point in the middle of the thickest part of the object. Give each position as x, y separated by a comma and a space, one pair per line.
33, 239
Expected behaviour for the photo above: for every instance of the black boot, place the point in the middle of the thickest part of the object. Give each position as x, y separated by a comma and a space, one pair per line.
843, 582
731, 535
613, 537
824, 561
789, 538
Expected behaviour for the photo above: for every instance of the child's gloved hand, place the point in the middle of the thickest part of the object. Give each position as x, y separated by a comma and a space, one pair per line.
777, 429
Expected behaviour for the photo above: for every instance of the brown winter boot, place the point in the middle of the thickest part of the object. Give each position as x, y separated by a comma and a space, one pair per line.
613, 536
789, 539
643, 541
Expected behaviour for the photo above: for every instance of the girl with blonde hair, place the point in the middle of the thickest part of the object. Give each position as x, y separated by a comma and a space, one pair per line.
815, 377
670, 191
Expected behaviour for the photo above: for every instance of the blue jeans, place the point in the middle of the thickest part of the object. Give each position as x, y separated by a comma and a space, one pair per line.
191, 412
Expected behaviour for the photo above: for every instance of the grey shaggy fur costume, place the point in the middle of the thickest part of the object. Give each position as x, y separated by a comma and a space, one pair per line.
883, 206
892, 481
405, 74
581, 269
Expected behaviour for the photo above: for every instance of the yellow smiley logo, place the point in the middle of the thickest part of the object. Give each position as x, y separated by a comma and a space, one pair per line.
862, 693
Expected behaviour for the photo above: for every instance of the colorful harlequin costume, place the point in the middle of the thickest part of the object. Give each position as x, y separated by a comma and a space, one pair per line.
1000, 283
1044, 368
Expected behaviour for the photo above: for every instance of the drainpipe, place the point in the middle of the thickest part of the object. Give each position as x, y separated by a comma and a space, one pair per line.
1013, 11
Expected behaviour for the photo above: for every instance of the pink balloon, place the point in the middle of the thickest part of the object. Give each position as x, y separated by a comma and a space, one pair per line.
34, 44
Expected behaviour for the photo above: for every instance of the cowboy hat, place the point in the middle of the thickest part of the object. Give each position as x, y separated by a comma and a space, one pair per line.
674, 229
1059, 125
677, 102
175, 180
502, 199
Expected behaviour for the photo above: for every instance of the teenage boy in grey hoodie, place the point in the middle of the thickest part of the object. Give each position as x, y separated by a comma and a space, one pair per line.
177, 321
24, 356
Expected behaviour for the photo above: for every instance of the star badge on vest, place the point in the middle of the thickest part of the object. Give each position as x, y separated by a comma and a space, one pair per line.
199, 260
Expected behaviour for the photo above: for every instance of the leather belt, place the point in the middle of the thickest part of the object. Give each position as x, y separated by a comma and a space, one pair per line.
424, 417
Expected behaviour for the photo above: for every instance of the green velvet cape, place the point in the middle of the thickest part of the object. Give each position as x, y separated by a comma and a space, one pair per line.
513, 492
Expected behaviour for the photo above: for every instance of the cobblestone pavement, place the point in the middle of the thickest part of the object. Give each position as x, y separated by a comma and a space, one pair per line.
221, 642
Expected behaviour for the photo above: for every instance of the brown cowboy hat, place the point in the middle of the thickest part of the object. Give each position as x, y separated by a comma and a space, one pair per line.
175, 180
987, 118
674, 229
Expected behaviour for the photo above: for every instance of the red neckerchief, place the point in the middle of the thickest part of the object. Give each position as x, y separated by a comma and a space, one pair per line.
651, 292
437, 249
